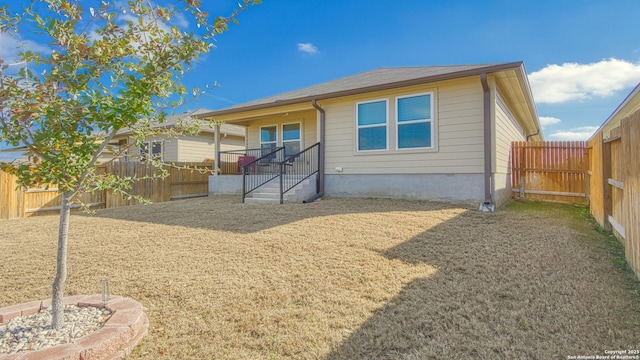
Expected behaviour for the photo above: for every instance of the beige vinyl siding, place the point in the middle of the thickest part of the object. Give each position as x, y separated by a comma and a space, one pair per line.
196, 148
202, 147
232, 142
308, 125
169, 148
507, 130
458, 140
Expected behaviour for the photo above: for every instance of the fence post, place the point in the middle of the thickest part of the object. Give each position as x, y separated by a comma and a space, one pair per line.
606, 188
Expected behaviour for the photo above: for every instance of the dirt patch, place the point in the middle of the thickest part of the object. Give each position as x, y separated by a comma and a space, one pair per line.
342, 278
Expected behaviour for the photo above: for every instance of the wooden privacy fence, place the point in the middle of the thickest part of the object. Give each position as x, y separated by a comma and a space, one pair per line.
181, 183
615, 184
549, 170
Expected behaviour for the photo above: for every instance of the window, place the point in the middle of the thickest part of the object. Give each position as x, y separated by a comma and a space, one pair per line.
268, 139
372, 125
415, 122
151, 150
291, 139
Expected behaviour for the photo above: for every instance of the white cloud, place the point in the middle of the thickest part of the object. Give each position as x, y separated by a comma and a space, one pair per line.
548, 120
122, 19
576, 134
572, 81
308, 48
180, 20
10, 47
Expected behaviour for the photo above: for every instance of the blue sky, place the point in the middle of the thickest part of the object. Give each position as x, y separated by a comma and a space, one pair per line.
582, 57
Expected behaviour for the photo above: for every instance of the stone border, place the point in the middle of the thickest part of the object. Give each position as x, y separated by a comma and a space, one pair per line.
127, 325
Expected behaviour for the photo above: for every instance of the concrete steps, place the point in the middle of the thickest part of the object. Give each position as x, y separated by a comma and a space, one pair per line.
269, 193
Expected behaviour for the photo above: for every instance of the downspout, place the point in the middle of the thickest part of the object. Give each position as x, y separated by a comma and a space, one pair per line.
320, 192
534, 134
487, 206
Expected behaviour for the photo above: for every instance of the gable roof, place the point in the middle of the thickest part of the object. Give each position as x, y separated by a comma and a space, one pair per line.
629, 105
193, 115
374, 80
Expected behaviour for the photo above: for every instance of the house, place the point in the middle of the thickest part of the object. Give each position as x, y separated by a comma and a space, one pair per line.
628, 106
180, 147
431, 132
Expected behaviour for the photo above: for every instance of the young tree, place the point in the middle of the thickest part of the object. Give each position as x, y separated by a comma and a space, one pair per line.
109, 67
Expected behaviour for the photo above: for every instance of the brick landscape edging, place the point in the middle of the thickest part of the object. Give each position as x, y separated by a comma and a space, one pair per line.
127, 325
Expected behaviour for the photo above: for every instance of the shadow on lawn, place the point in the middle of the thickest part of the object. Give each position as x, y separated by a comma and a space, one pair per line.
226, 213
435, 316
502, 290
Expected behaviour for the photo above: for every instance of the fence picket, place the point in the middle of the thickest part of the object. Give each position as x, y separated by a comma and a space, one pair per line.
181, 183
549, 170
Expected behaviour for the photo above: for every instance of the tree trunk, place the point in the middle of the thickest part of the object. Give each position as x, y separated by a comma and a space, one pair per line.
57, 306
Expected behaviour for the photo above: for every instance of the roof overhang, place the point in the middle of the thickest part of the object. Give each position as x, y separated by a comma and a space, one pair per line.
364, 89
510, 77
629, 105
514, 86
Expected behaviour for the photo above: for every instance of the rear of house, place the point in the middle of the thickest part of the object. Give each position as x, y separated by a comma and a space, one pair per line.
440, 133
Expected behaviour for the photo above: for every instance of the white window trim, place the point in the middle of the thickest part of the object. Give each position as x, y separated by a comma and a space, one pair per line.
301, 137
386, 125
149, 153
431, 120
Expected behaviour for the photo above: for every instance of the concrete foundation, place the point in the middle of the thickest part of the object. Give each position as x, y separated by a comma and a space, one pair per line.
501, 189
441, 187
225, 185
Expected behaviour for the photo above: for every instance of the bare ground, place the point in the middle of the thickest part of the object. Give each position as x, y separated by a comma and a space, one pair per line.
343, 278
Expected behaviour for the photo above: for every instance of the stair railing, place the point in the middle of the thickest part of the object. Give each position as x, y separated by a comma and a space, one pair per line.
292, 170
260, 171
299, 167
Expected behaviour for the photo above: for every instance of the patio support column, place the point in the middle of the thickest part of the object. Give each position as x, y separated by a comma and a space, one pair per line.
216, 140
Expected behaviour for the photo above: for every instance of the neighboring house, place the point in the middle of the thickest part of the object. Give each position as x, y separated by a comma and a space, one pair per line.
629, 105
614, 174
182, 148
432, 132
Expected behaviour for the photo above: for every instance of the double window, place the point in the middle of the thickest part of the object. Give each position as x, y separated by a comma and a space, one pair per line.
151, 150
291, 139
413, 123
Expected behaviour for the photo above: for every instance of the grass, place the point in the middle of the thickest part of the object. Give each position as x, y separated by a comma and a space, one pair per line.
343, 278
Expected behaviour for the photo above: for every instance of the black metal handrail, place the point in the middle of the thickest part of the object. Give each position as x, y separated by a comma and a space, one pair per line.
297, 168
231, 161
261, 170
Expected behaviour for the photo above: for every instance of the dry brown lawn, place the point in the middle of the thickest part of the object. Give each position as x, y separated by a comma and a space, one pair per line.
343, 278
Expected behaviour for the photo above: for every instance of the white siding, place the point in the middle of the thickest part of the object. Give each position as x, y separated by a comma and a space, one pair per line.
458, 145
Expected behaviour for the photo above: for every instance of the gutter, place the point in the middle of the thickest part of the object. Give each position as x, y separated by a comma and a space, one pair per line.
486, 206
524, 79
534, 134
320, 192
